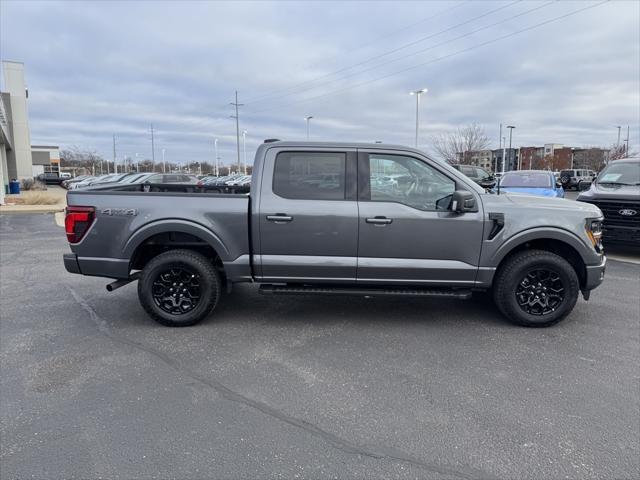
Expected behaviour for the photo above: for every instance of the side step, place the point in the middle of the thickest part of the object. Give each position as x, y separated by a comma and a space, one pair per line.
268, 289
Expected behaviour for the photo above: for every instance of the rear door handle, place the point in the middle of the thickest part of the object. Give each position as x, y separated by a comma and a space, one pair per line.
379, 220
279, 218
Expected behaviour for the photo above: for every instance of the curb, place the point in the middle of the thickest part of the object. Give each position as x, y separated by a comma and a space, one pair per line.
12, 210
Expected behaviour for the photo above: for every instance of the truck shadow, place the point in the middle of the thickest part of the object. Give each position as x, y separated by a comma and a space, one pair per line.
246, 304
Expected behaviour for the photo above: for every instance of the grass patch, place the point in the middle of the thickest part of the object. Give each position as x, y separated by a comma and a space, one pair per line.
39, 198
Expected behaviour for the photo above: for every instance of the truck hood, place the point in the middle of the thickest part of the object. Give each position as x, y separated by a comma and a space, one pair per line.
538, 204
611, 192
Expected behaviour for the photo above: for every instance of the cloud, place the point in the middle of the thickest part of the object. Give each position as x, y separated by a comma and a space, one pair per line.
96, 69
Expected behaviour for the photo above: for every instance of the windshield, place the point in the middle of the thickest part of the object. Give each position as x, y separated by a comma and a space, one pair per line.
621, 173
526, 180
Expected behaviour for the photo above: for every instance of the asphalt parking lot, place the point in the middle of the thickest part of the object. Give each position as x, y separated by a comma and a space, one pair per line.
313, 387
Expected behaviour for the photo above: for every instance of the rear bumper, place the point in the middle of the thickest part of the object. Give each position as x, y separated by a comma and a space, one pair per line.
71, 263
95, 266
595, 274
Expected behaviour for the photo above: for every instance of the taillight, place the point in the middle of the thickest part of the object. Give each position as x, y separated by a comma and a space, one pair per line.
77, 222
200, 183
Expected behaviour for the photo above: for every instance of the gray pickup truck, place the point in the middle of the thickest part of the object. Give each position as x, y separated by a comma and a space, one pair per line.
336, 219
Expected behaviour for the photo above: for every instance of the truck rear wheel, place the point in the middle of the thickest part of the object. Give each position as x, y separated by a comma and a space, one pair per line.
536, 288
179, 288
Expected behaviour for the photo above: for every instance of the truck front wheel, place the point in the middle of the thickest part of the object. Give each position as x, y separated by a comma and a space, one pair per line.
179, 288
536, 288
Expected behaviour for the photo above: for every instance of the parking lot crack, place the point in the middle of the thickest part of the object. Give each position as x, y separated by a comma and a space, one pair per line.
339, 443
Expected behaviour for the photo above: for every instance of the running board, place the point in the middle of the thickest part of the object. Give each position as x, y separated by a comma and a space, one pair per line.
268, 289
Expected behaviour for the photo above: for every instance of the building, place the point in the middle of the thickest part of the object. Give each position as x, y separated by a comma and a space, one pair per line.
511, 156
15, 139
531, 158
480, 158
590, 158
45, 159
18, 158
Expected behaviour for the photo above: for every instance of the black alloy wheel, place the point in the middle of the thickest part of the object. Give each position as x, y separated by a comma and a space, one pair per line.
177, 290
540, 292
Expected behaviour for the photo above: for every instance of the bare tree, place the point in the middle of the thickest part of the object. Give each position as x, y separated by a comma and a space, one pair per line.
620, 151
455, 147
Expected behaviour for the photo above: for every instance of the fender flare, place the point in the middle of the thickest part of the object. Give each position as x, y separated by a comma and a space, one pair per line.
543, 233
175, 225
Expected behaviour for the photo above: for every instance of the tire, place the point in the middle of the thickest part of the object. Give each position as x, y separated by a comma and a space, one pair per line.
522, 280
179, 288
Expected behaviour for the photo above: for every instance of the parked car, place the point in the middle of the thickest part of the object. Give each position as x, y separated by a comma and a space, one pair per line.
136, 178
440, 236
49, 178
616, 192
84, 183
574, 177
533, 182
172, 178
478, 175
67, 183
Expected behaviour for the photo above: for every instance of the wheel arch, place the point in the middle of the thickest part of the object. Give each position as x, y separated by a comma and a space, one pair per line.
560, 242
159, 237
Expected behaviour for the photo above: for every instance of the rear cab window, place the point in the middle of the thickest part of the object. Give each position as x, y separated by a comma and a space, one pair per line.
310, 175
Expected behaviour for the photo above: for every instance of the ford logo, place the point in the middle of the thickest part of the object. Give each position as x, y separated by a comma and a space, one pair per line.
627, 212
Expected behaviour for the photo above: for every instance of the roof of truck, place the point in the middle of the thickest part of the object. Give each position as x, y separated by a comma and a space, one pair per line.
362, 145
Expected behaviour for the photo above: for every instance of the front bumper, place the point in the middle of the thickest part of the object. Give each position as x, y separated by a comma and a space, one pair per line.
595, 274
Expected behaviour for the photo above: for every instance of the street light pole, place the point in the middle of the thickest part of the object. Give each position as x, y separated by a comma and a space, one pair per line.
307, 118
244, 150
619, 128
164, 165
418, 93
215, 146
510, 127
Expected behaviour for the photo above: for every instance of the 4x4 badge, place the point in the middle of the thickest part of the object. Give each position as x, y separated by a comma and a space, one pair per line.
627, 212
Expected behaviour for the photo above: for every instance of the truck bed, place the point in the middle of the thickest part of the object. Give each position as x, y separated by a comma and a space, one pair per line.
128, 215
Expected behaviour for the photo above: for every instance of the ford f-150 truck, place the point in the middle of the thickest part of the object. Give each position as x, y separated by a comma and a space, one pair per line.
336, 219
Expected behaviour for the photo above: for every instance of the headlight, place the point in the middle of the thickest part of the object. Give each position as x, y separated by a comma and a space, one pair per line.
594, 232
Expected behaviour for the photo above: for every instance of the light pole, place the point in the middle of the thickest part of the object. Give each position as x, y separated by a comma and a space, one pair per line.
215, 146
308, 118
164, 165
244, 150
418, 93
510, 127
619, 128
137, 164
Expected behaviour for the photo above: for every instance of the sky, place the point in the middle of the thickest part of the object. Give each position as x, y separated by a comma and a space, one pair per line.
562, 72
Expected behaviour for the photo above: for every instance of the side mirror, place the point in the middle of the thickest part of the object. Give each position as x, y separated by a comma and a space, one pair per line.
463, 201
558, 184
582, 186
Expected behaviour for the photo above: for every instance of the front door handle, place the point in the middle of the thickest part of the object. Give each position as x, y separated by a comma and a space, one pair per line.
379, 220
280, 218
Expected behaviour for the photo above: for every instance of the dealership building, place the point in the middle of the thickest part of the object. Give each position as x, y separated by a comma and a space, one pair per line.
18, 158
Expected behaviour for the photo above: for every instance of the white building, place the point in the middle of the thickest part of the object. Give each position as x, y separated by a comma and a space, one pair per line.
15, 139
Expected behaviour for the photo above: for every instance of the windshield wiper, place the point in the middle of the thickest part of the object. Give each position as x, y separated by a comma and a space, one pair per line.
618, 183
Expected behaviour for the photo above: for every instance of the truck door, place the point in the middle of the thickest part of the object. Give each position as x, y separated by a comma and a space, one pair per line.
308, 216
407, 234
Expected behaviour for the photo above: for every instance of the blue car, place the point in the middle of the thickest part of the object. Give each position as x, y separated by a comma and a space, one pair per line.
533, 182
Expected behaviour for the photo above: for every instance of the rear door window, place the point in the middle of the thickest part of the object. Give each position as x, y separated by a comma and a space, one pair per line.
310, 175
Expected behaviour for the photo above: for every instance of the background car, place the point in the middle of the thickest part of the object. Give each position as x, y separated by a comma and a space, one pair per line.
171, 178
49, 178
478, 175
572, 178
616, 192
533, 182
